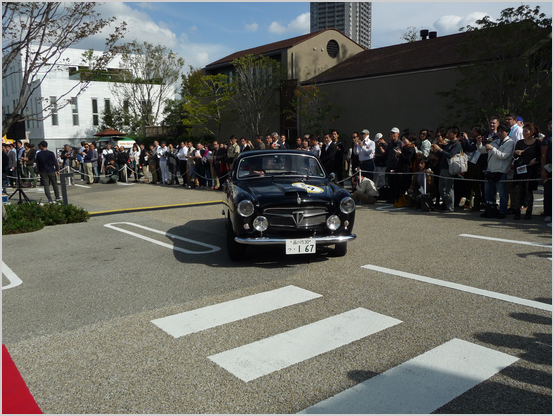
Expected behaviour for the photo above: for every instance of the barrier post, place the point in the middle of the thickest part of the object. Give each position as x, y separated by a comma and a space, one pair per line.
63, 176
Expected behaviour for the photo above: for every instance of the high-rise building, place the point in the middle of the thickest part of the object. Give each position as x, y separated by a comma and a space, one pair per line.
351, 18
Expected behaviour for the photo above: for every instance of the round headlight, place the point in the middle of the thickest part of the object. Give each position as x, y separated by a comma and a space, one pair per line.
245, 208
333, 222
260, 224
347, 205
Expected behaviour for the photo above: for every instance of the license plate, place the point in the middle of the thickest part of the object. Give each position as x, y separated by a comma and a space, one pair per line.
301, 246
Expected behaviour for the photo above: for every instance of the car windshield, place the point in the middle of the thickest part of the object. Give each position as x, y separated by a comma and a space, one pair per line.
274, 164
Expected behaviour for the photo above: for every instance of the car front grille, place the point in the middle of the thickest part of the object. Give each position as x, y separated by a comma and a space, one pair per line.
296, 217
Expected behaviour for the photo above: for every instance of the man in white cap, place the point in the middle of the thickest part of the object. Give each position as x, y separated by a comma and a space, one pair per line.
366, 151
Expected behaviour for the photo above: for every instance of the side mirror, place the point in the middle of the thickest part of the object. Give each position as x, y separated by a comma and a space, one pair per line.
332, 176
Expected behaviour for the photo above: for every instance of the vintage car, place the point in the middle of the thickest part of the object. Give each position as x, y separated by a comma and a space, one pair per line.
284, 198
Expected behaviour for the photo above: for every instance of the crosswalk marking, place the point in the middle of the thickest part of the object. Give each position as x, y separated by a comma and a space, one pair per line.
463, 288
422, 384
283, 350
211, 316
11, 276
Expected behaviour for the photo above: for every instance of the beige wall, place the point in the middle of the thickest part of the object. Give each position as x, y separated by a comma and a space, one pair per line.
307, 62
381, 103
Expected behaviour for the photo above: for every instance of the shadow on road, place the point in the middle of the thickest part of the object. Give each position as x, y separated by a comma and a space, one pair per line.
212, 232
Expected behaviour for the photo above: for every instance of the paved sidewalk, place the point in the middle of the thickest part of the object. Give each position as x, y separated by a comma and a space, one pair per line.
100, 197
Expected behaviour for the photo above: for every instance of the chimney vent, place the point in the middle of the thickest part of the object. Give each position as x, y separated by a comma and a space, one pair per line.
423, 33
432, 35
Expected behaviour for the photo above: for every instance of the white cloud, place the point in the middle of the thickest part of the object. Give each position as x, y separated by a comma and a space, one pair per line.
451, 24
193, 29
299, 25
202, 58
146, 5
251, 28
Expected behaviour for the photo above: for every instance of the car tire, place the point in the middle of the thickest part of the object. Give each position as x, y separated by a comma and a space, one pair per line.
235, 251
340, 249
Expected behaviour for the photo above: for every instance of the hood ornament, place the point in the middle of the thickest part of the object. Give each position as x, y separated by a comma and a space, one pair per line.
298, 199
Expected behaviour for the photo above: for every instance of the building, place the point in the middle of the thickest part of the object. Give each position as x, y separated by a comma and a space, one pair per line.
395, 86
351, 18
303, 57
75, 122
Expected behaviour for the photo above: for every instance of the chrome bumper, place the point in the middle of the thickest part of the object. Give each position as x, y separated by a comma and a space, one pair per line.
265, 241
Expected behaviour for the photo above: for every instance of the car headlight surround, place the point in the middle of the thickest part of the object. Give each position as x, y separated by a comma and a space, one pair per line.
333, 222
245, 208
260, 223
347, 205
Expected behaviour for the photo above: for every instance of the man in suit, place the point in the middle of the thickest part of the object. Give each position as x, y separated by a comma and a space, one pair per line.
339, 155
48, 169
244, 145
328, 154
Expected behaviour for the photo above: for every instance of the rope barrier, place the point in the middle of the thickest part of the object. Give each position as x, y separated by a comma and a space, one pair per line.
459, 177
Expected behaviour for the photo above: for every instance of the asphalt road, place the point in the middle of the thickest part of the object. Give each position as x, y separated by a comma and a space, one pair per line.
79, 325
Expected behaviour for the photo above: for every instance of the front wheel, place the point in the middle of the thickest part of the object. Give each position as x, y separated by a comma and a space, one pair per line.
235, 251
340, 249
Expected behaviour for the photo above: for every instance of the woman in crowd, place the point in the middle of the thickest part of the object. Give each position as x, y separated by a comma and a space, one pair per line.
527, 156
474, 174
134, 155
143, 162
421, 181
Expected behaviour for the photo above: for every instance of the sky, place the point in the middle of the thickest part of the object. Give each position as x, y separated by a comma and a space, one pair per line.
203, 32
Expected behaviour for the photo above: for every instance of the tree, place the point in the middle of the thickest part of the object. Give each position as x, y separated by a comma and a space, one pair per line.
206, 99
316, 110
510, 68
255, 83
34, 38
412, 35
121, 119
146, 79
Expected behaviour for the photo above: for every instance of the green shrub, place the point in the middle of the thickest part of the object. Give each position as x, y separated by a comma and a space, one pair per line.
27, 217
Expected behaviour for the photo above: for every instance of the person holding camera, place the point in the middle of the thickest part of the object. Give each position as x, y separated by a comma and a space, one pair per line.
446, 180
499, 156
365, 190
380, 161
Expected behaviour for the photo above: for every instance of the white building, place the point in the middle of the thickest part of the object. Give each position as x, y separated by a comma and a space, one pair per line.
351, 18
75, 122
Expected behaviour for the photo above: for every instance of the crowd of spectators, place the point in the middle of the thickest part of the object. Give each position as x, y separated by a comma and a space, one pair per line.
506, 160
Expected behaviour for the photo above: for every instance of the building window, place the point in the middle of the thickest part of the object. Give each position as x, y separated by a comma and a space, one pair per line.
75, 111
54, 110
95, 120
332, 48
126, 120
107, 107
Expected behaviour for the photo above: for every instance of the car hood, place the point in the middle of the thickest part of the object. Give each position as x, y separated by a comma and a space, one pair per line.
285, 191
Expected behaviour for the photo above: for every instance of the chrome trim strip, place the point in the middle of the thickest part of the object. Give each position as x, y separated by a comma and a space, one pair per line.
263, 241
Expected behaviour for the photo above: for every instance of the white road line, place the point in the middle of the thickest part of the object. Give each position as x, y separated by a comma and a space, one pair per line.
83, 186
422, 384
463, 288
11, 276
389, 208
211, 316
170, 246
506, 241
263, 357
